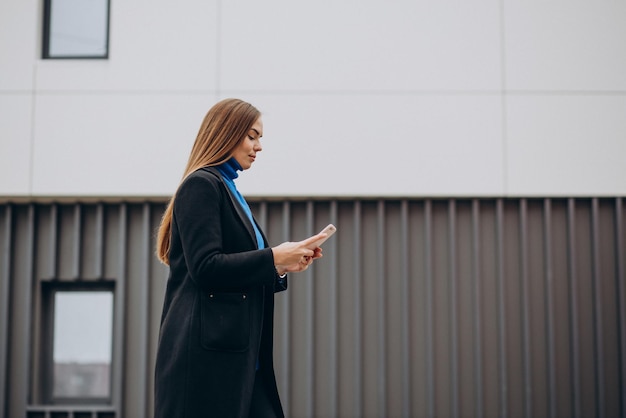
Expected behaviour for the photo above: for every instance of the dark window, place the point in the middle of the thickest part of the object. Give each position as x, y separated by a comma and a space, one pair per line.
79, 343
76, 29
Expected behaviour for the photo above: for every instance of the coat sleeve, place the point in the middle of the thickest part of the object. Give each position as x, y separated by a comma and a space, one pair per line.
198, 220
280, 284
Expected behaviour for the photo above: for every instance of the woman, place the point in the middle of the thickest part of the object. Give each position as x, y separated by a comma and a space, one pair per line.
214, 355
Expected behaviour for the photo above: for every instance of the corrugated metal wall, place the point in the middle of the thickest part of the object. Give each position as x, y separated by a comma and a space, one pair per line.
420, 308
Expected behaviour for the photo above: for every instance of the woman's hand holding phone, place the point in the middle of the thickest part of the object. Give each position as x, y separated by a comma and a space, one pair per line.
297, 256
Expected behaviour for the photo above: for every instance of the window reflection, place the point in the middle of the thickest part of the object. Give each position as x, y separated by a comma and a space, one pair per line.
83, 330
77, 28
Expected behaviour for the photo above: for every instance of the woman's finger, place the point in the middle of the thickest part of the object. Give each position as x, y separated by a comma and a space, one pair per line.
311, 240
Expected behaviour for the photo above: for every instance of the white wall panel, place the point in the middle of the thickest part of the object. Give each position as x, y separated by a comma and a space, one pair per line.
565, 45
15, 143
566, 145
380, 145
154, 45
93, 145
19, 42
349, 89
369, 45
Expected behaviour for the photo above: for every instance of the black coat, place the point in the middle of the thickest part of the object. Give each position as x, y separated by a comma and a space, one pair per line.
219, 306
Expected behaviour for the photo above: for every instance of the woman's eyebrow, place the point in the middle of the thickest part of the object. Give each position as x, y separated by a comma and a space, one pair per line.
257, 132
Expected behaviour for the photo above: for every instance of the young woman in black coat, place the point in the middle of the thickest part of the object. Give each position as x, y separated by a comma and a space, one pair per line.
215, 347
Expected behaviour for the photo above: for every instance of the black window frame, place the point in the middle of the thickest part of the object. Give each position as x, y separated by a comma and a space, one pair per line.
45, 50
49, 290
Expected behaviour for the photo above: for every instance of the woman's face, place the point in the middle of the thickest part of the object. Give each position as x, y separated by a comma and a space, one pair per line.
246, 151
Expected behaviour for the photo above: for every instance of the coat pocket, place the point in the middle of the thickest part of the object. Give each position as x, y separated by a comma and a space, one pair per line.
225, 321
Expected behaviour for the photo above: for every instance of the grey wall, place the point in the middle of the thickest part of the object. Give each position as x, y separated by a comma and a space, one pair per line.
477, 307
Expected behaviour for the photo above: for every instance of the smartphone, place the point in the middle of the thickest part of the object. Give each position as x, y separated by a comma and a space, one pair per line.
330, 229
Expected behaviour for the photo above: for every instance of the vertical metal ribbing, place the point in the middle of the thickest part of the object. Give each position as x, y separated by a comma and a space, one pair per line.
330, 257
99, 242
76, 250
143, 310
262, 218
42, 386
452, 298
21, 314
50, 270
406, 303
525, 309
310, 322
382, 306
285, 319
53, 271
358, 298
597, 310
503, 395
334, 318
476, 305
120, 311
429, 314
621, 301
55, 228
549, 306
5, 289
573, 305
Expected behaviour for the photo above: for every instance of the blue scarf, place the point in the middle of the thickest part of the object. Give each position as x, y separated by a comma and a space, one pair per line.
229, 174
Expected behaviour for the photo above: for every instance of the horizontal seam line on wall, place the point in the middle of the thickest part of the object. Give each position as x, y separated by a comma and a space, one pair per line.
408, 92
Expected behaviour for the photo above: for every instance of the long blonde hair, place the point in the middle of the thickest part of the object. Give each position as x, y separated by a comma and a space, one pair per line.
225, 125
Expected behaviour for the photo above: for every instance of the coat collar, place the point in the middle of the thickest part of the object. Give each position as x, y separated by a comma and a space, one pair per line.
235, 204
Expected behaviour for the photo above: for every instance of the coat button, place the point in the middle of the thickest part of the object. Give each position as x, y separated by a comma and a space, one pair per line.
244, 296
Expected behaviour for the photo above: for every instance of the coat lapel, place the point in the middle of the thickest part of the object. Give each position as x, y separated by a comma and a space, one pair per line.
235, 202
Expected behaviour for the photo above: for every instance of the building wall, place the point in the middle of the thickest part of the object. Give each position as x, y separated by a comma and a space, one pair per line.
367, 98
471, 155
419, 308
